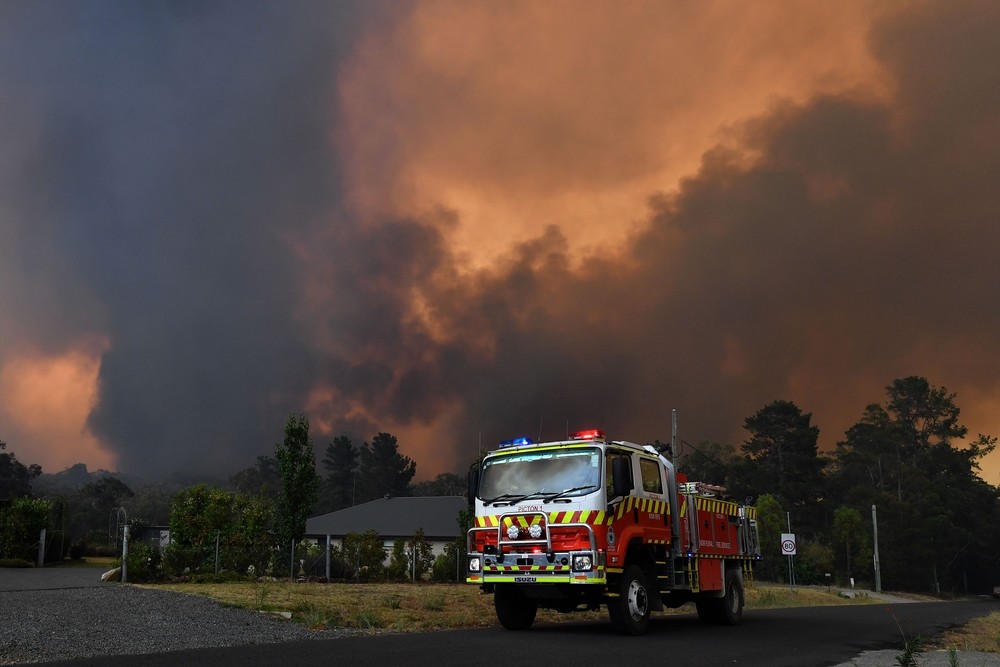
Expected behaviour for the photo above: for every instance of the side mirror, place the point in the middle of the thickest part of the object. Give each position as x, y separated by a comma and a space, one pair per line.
621, 477
473, 485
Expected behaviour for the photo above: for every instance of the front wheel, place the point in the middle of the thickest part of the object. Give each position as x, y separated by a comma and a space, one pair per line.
630, 610
515, 610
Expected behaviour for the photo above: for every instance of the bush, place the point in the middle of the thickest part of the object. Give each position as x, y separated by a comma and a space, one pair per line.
143, 563
21, 523
444, 568
78, 549
180, 560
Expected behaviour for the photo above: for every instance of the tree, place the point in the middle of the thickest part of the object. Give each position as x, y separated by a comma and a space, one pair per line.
21, 522
15, 477
770, 525
783, 451
708, 462
89, 515
262, 479
445, 484
848, 534
383, 470
340, 462
937, 518
299, 481
365, 552
240, 522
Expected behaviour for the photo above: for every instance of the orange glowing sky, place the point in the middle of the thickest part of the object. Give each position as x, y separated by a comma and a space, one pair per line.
747, 201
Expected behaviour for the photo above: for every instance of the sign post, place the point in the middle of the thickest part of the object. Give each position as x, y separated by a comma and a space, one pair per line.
788, 549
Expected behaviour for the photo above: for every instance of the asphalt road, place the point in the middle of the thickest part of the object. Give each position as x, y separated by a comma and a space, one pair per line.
816, 636
49, 578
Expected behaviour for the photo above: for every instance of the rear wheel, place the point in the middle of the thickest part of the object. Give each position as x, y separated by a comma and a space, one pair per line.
731, 612
728, 609
515, 610
630, 610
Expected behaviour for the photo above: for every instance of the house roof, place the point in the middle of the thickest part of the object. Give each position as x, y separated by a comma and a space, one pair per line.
394, 517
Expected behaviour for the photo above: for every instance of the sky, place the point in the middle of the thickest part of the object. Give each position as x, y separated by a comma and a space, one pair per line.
462, 222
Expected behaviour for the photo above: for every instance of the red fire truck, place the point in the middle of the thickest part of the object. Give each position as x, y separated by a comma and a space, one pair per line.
578, 523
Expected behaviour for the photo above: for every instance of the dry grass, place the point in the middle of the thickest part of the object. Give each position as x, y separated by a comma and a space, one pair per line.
422, 607
979, 634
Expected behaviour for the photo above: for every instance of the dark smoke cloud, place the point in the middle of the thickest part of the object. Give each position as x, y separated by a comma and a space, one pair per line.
171, 181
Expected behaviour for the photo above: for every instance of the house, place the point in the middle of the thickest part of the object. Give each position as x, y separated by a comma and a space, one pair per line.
393, 518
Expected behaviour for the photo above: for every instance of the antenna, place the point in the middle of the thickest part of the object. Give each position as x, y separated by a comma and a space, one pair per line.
539, 429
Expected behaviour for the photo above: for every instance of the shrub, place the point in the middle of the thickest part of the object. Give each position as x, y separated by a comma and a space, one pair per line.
143, 563
444, 568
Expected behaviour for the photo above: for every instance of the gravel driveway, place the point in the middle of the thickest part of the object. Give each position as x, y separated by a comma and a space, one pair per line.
64, 613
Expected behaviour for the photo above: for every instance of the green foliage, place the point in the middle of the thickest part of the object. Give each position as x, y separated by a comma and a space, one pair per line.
299, 481
399, 560
813, 560
201, 515
341, 463
850, 538
937, 518
89, 510
382, 470
445, 484
262, 479
143, 563
21, 524
15, 477
445, 568
365, 552
708, 462
771, 523
911, 650
781, 457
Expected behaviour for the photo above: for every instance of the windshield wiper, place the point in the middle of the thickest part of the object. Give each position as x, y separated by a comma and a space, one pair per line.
506, 498
559, 496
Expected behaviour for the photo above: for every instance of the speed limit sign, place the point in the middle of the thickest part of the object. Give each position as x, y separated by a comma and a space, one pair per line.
788, 544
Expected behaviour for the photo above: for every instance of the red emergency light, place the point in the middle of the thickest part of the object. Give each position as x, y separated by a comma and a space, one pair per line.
589, 434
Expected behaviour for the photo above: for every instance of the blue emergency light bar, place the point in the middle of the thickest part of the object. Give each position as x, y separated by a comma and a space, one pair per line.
516, 442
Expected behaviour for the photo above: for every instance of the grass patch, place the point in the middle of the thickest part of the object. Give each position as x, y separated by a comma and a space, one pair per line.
424, 607
775, 597
979, 634
105, 562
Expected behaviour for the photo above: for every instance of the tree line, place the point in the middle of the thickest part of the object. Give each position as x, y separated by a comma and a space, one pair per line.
938, 521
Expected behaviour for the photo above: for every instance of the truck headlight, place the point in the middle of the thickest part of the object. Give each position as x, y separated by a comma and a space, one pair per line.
535, 530
474, 564
583, 563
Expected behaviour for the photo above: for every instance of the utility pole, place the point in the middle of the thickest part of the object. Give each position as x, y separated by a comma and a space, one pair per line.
878, 572
673, 433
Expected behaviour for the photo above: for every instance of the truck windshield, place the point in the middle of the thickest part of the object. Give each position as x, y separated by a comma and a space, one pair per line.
546, 475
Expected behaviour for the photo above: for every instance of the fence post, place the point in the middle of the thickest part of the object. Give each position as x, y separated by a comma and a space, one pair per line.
217, 533
41, 549
291, 563
328, 558
125, 555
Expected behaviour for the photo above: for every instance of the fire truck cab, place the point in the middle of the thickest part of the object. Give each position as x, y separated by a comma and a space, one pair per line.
583, 522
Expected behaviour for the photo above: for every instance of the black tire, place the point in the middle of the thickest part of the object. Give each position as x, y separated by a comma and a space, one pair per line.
630, 610
731, 610
725, 610
515, 610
